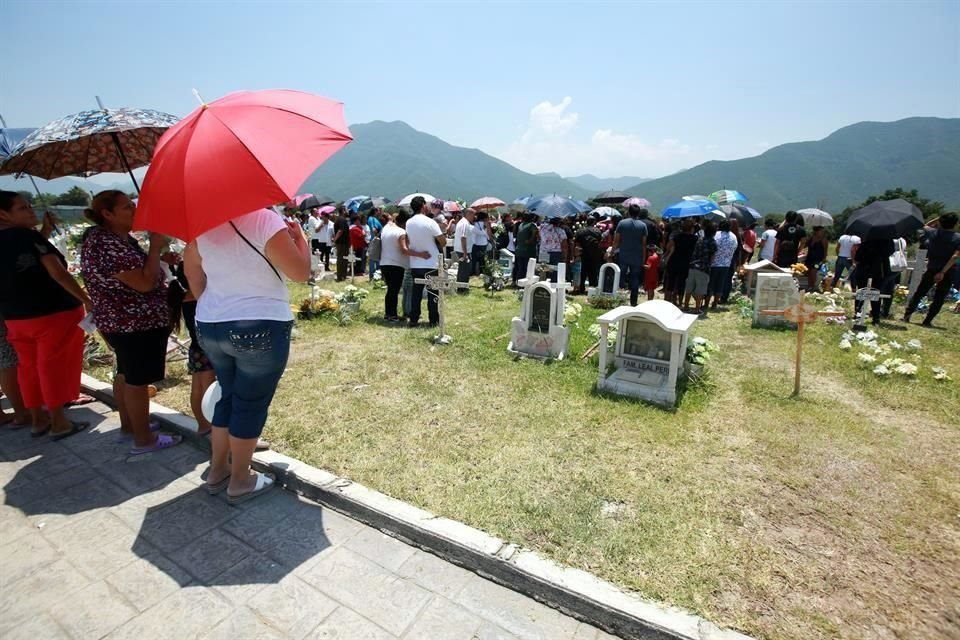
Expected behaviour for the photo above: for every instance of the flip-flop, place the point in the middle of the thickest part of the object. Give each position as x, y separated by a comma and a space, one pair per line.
81, 399
40, 434
124, 436
214, 489
75, 428
163, 441
264, 484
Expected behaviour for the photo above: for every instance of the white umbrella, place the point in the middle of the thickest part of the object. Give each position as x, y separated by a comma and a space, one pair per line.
405, 202
816, 218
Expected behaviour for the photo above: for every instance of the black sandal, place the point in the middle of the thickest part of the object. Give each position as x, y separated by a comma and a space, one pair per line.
75, 428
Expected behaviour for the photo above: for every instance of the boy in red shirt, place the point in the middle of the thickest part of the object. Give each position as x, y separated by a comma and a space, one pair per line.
358, 242
651, 274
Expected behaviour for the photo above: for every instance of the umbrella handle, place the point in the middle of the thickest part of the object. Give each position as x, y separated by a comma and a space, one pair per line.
123, 159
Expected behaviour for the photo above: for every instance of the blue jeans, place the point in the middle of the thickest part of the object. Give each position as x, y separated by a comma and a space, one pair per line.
249, 357
417, 297
633, 274
838, 269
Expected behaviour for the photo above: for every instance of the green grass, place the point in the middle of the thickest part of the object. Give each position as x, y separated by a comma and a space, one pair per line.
829, 515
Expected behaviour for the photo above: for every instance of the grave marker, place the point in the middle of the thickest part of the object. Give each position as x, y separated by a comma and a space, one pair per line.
608, 281
351, 258
774, 291
539, 331
440, 284
801, 315
863, 296
916, 267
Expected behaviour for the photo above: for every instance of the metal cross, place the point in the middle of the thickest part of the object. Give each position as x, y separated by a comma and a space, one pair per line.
864, 295
440, 284
351, 258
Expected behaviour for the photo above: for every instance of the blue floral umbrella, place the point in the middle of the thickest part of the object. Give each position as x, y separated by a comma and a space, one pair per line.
90, 142
9, 138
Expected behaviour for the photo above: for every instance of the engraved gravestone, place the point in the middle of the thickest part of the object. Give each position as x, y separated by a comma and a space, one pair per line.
540, 308
775, 291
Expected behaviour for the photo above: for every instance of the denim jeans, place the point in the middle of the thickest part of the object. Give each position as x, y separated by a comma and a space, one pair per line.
393, 276
838, 269
633, 274
249, 357
432, 308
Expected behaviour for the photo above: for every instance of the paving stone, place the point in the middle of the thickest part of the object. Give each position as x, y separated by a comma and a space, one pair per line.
434, 573
292, 606
187, 462
518, 614
262, 514
243, 624
97, 544
39, 627
184, 519
134, 510
385, 598
14, 524
585, 631
92, 612
47, 461
305, 537
24, 556
490, 631
248, 577
22, 600
443, 620
136, 474
22, 494
68, 504
344, 624
210, 554
386, 551
148, 580
188, 613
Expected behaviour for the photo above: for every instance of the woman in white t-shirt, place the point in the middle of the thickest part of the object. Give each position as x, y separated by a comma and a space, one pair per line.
244, 322
394, 259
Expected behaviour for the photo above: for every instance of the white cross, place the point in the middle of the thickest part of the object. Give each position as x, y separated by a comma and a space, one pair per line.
443, 283
532, 277
864, 295
916, 267
351, 258
561, 287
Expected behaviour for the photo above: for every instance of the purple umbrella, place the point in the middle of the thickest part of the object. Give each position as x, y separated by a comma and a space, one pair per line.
640, 202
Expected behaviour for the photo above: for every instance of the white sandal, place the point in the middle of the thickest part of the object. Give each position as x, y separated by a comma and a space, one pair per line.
264, 483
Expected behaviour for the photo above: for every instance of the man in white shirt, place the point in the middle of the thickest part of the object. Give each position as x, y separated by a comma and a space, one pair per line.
463, 240
768, 241
846, 250
310, 227
423, 235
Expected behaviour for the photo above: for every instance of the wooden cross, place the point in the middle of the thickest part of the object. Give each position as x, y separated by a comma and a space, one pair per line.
351, 258
801, 314
443, 283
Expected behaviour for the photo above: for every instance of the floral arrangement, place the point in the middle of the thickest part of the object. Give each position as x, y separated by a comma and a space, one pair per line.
352, 294
798, 269
699, 351
571, 311
499, 229
606, 301
900, 294
320, 303
377, 280
594, 331
743, 303
493, 277
871, 349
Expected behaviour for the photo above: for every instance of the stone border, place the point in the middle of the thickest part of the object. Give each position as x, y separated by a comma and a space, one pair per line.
576, 593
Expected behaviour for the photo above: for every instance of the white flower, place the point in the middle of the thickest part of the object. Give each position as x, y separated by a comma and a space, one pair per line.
939, 373
848, 335
867, 336
866, 358
906, 369
895, 345
846, 345
881, 370
914, 345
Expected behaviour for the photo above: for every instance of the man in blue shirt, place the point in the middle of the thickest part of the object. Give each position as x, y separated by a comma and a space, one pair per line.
630, 239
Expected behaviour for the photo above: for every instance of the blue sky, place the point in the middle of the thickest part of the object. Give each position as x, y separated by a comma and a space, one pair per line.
608, 88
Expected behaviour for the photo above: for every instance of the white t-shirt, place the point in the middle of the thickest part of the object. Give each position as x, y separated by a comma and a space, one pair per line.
240, 284
847, 243
464, 230
390, 254
480, 233
311, 226
324, 232
769, 239
421, 232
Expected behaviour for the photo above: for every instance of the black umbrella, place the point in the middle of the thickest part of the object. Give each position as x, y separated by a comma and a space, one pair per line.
611, 197
314, 202
885, 220
378, 201
744, 215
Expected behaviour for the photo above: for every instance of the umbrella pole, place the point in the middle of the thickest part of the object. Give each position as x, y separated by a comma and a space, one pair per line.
123, 159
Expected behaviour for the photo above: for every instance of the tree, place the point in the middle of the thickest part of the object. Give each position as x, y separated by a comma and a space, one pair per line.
929, 208
44, 200
77, 196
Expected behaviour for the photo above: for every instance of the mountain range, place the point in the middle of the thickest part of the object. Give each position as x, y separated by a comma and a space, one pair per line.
840, 170
846, 167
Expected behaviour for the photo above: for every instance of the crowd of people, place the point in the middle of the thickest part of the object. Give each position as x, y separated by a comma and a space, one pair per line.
240, 327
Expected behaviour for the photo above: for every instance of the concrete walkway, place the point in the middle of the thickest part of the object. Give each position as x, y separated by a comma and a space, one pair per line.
95, 544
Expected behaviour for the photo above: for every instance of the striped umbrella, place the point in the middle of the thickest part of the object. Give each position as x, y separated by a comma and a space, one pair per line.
727, 196
643, 203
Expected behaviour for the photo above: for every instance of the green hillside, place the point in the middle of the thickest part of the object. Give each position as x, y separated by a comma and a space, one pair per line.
843, 169
394, 159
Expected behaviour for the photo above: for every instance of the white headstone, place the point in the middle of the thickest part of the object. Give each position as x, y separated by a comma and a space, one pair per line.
532, 277
755, 269
916, 267
608, 282
351, 258
775, 291
506, 261
649, 353
539, 331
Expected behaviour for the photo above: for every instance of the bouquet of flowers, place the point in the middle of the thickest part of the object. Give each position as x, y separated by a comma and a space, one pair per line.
378, 282
798, 269
320, 303
594, 331
352, 294
571, 311
493, 278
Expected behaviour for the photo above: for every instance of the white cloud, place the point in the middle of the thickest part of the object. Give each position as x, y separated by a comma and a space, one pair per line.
551, 143
763, 145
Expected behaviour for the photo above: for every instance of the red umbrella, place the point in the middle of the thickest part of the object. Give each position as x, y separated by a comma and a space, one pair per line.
487, 202
235, 155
